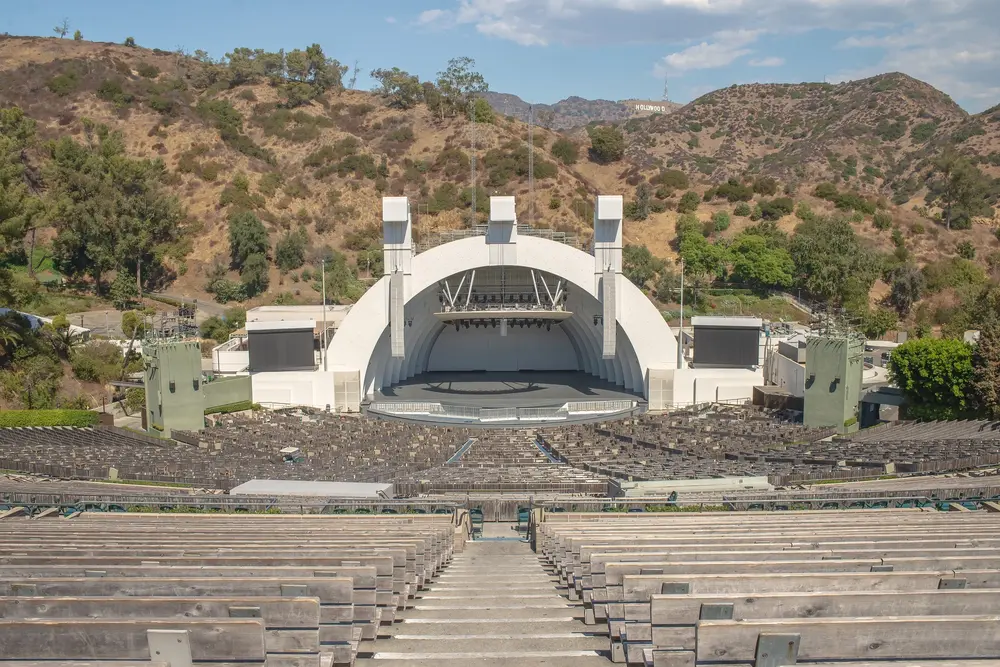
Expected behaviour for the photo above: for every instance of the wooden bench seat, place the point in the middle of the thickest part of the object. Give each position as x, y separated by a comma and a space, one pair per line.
291, 625
215, 642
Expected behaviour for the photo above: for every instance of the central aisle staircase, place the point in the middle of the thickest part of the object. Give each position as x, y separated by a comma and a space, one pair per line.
495, 605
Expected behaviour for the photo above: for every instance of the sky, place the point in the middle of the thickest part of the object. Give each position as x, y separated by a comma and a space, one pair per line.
546, 50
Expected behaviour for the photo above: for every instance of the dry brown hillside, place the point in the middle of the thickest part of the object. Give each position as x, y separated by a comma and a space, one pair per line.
321, 166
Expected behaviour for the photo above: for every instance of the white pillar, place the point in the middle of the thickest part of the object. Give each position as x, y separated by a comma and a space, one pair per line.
608, 213
501, 231
397, 256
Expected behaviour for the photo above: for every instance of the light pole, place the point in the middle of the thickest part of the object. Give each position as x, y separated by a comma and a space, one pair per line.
323, 279
680, 331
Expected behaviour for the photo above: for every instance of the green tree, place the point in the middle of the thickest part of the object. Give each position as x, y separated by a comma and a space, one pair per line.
459, 83
565, 151
721, 221
78, 36
32, 381
961, 186
907, 287
110, 212
666, 283
247, 236
135, 400
482, 112
400, 89
130, 42
20, 208
986, 369
99, 362
254, 275
133, 324
124, 291
877, 322
640, 206
758, 263
640, 265
62, 29
60, 335
607, 144
342, 284
689, 202
703, 261
290, 250
936, 377
830, 261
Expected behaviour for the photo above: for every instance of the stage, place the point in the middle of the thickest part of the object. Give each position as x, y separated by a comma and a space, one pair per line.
524, 389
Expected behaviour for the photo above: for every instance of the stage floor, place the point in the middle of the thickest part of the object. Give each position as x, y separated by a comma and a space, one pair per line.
505, 390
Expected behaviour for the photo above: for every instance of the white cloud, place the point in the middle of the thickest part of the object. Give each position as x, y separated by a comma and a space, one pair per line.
390, 19
949, 43
726, 47
770, 61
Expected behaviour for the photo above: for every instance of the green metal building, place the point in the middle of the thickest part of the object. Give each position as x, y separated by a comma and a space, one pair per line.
834, 372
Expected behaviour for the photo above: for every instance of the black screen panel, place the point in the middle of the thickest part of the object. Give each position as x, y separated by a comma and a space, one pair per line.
284, 350
726, 347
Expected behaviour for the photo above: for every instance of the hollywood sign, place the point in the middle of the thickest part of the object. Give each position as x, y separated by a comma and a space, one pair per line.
655, 108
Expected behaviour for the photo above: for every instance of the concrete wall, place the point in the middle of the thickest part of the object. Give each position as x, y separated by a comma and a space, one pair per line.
834, 368
174, 397
705, 385
306, 388
789, 375
227, 390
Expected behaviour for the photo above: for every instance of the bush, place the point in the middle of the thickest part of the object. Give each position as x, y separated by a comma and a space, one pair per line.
734, 191
775, 209
742, 210
24, 418
607, 144
721, 221
882, 221
554, 203
826, 191
764, 185
672, 179
689, 202
63, 84
290, 251
966, 250
147, 70
565, 151
130, 42
97, 362
111, 90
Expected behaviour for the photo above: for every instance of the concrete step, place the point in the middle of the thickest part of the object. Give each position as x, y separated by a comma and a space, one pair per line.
491, 642
508, 659
510, 626
425, 614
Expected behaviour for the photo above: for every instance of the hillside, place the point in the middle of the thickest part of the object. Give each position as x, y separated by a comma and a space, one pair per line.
312, 161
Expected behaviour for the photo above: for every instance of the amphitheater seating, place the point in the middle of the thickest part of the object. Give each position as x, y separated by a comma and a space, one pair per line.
503, 461
237, 449
744, 441
264, 590
680, 589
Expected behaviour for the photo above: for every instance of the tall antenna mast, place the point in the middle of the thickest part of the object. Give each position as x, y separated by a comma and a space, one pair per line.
354, 76
531, 165
472, 163
666, 93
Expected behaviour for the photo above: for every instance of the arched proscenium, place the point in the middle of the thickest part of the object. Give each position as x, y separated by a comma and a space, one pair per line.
362, 342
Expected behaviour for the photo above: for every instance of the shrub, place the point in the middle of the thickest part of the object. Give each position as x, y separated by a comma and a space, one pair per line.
721, 221
764, 185
826, 191
290, 251
672, 179
111, 90
882, 221
966, 250
734, 191
554, 203
63, 84
147, 70
923, 132
742, 210
130, 42
890, 131
607, 144
689, 202
565, 151
24, 418
775, 209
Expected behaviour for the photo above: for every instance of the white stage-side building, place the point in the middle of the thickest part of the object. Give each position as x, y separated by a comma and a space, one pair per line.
503, 302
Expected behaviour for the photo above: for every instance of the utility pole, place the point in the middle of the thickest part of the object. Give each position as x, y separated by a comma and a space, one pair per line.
323, 278
680, 330
472, 165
